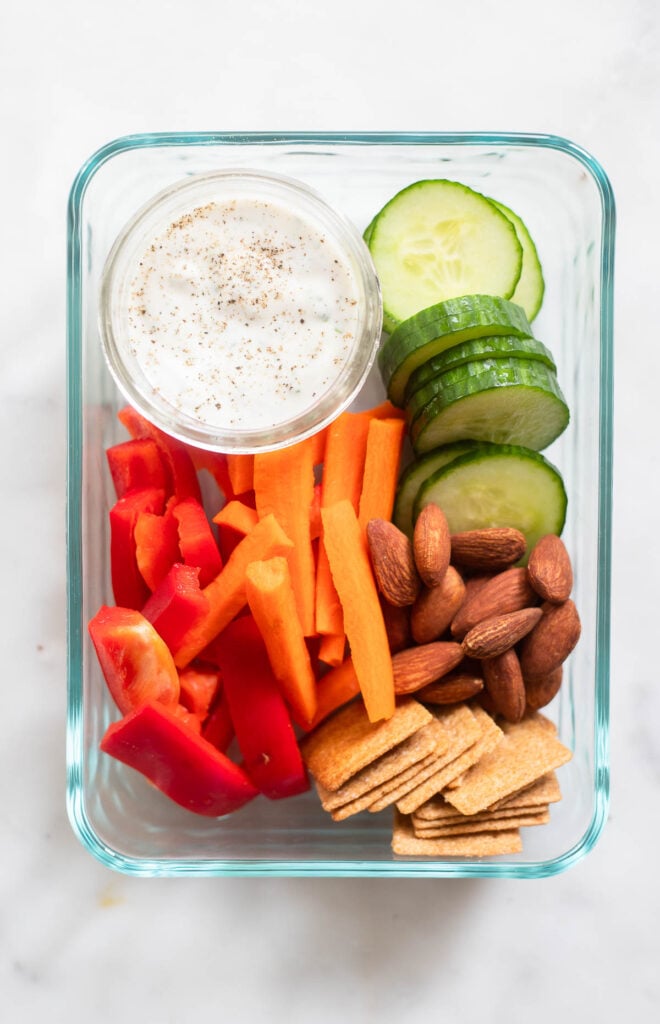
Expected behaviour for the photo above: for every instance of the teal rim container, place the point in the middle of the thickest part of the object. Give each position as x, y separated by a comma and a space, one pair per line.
565, 199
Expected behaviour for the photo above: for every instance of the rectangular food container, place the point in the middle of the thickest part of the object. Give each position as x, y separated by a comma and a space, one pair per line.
564, 197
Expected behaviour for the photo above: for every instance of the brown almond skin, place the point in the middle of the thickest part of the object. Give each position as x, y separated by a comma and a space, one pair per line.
419, 666
397, 626
435, 608
551, 641
549, 569
393, 563
431, 545
495, 635
491, 548
458, 685
504, 681
508, 591
539, 692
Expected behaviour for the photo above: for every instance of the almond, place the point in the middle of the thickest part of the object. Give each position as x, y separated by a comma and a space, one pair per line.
508, 591
495, 635
435, 608
549, 569
458, 685
431, 545
419, 666
393, 562
491, 548
539, 692
504, 682
397, 626
551, 641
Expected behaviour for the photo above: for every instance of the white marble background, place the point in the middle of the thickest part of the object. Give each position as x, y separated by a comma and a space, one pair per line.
79, 943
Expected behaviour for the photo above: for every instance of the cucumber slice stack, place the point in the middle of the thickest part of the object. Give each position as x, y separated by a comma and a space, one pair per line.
461, 282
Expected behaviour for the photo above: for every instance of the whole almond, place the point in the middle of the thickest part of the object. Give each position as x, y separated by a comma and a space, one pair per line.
491, 548
551, 641
431, 545
419, 666
458, 685
508, 591
495, 635
435, 608
504, 682
539, 692
397, 626
393, 562
549, 569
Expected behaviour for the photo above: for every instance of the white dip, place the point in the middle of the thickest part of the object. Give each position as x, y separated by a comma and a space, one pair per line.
242, 313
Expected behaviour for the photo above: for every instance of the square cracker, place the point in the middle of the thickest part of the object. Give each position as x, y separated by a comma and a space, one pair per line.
463, 728
362, 803
545, 791
527, 751
494, 824
427, 740
491, 736
348, 741
485, 844
457, 818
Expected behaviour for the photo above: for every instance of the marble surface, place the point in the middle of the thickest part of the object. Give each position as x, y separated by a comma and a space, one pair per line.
80, 943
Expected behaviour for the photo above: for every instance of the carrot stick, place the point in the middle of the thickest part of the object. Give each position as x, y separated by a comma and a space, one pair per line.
335, 688
284, 487
386, 411
345, 450
381, 469
363, 619
273, 605
332, 648
226, 593
241, 471
318, 444
234, 521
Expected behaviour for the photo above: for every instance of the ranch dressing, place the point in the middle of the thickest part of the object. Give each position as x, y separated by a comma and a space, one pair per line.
242, 313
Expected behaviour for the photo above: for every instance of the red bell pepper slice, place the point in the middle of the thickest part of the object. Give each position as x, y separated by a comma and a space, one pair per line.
184, 482
183, 765
260, 717
196, 541
135, 661
177, 604
199, 687
218, 728
128, 585
136, 465
157, 545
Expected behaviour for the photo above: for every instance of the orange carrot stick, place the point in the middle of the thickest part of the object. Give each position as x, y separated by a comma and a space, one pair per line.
386, 411
381, 469
345, 450
284, 487
226, 593
273, 605
332, 648
363, 619
241, 471
335, 688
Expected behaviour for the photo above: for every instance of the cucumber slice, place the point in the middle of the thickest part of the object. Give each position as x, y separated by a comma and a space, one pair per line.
414, 476
366, 234
531, 286
440, 327
437, 239
496, 347
503, 485
505, 401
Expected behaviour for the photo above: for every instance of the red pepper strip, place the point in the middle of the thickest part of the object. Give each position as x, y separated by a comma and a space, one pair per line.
189, 718
234, 521
156, 545
261, 720
183, 765
135, 661
177, 458
128, 586
135, 465
196, 541
198, 689
177, 604
214, 463
218, 728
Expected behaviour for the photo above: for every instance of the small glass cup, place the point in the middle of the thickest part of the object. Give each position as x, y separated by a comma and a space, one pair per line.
115, 298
